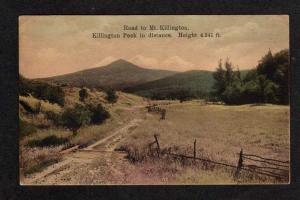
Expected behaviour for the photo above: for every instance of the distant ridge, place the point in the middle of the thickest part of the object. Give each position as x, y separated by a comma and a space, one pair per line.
198, 82
118, 75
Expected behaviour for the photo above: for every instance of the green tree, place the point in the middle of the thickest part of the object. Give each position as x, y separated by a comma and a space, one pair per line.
228, 83
233, 94
267, 83
267, 66
220, 81
270, 92
74, 118
281, 76
252, 92
276, 71
83, 94
229, 73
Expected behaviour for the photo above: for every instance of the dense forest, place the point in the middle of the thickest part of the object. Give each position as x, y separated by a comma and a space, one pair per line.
267, 83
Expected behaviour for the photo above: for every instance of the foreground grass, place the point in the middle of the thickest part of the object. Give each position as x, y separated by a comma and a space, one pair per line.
221, 131
36, 159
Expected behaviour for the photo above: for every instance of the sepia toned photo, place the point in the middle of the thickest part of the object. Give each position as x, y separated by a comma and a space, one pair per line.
154, 100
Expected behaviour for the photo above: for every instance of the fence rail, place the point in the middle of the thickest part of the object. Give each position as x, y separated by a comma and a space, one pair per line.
252, 155
157, 109
268, 169
264, 161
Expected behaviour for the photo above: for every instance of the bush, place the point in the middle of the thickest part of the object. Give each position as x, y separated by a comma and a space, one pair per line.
41, 90
99, 114
111, 96
25, 128
83, 94
51, 140
53, 94
54, 117
74, 118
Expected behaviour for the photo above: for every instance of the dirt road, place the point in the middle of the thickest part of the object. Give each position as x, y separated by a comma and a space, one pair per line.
95, 164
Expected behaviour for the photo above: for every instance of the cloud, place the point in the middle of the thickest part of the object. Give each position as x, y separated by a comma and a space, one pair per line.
144, 61
104, 62
177, 63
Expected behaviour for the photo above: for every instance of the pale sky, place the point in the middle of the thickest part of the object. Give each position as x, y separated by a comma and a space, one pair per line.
55, 45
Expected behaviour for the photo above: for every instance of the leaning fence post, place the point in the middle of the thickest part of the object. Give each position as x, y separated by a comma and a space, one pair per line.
195, 150
239, 165
158, 148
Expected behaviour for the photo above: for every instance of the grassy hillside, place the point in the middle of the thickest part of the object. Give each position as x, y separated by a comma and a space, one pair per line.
199, 83
42, 134
118, 74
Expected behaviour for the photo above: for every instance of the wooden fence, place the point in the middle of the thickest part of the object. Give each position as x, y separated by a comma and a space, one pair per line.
155, 108
258, 165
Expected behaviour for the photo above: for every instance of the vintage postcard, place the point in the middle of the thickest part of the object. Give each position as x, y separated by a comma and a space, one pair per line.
154, 100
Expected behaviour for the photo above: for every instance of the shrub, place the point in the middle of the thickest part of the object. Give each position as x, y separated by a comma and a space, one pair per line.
99, 114
54, 117
41, 90
51, 140
111, 96
83, 94
26, 128
74, 118
53, 94
31, 107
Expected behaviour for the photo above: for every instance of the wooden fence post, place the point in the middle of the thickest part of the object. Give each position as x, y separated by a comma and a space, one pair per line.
195, 150
239, 165
158, 148
163, 114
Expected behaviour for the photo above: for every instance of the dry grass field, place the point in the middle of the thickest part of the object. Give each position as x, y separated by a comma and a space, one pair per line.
221, 131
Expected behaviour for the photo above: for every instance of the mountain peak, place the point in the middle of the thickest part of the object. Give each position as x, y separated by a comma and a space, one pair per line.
118, 74
121, 61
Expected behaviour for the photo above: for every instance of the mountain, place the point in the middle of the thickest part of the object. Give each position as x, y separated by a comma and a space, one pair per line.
199, 83
118, 75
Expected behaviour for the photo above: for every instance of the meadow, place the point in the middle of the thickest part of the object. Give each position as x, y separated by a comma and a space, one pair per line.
221, 131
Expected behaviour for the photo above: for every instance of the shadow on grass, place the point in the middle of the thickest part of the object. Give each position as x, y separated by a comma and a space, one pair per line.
51, 140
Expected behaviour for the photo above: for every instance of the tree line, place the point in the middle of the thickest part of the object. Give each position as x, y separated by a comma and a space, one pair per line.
267, 83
